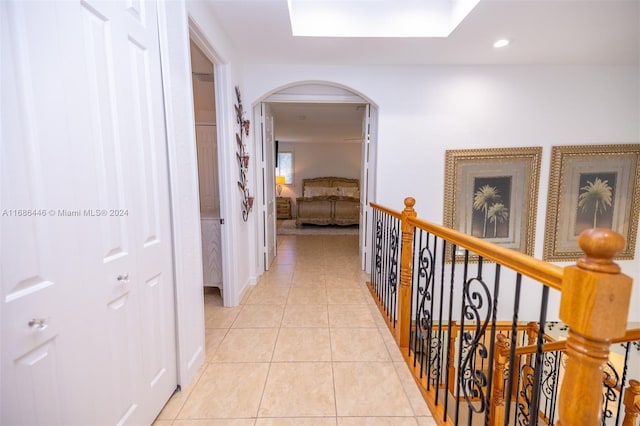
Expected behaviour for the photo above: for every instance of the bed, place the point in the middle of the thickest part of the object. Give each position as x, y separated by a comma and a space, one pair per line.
329, 201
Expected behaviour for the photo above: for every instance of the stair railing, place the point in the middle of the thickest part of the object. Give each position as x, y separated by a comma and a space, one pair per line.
447, 276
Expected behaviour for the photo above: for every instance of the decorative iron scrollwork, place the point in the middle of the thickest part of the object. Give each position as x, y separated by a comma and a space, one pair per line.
611, 382
525, 394
393, 258
474, 380
379, 246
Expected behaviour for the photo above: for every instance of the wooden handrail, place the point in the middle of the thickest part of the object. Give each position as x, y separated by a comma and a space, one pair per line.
630, 336
594, 304
396, 214
547, 273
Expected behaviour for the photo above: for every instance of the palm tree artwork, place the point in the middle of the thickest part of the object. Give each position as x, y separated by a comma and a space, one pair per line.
488, 199
497, 213
596, 198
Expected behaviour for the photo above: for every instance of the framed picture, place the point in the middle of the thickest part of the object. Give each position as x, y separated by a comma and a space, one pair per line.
591, 186
493, 194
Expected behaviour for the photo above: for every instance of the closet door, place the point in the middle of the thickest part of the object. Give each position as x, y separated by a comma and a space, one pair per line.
94, 67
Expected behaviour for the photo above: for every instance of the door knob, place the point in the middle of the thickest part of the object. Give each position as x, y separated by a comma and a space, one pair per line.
38, 324
123, 278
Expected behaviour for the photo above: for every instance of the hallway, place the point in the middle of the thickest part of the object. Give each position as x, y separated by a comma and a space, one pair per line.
306, 347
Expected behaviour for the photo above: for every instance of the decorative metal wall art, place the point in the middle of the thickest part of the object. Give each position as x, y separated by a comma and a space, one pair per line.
243, 157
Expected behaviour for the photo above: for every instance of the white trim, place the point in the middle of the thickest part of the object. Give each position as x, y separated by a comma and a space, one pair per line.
316, 99
183, 182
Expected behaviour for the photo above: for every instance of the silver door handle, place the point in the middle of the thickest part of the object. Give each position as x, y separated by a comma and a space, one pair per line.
123, 279
38, 324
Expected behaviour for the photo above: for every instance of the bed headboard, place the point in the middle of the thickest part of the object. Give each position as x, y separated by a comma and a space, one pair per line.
330, 186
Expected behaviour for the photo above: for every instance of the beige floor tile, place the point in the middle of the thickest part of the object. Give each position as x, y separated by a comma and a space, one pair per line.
212, 339
268, 295
414, 395
259, 316
307, 296
390, 343
303, 344
341, 281
230, 390
298, 389
212, 296
345, 296
247, 345
297, 421
176, 402
307, 344
215, 422
427, 421
357, 344
377, 421
353, 316
220, 317
305, 316
162, 422
369, 389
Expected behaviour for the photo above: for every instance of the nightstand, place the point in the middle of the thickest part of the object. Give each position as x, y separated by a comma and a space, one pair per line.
283, 208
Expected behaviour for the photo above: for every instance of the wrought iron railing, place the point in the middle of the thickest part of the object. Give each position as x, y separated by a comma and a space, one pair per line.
462, 303
385, 261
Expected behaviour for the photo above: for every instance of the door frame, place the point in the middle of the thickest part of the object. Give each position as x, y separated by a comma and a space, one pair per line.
220, 77
176, 27
354, 96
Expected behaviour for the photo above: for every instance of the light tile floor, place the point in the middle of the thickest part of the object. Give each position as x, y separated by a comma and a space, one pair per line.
306, 347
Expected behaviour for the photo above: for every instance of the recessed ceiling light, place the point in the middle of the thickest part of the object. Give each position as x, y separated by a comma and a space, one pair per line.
503, 42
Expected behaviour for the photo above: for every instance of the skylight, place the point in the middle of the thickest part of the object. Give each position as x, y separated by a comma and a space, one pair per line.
377, 18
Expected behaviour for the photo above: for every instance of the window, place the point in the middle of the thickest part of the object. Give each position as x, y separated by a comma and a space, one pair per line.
285, 167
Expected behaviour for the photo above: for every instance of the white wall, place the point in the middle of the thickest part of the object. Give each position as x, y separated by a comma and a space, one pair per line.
425, 110
311, 160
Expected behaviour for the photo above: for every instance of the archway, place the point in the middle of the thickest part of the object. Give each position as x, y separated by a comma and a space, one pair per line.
312, 92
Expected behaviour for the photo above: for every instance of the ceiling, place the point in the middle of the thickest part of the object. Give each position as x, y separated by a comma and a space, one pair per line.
541, 32
320, 123
554, 32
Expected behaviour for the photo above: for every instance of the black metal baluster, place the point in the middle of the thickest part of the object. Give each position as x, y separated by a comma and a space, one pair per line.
535, 401
623, 380
440, 331
460, 334
512, 351
449, 326
385, 252
415, 291
494, 315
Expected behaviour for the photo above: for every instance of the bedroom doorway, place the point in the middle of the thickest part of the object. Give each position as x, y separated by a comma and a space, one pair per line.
329, 131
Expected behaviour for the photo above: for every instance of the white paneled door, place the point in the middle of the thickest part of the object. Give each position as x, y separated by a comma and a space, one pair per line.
269, 179
88, 322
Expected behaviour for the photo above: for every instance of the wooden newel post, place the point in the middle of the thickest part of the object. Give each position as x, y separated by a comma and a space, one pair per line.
595, 306
496, 412
403, 328
631, 403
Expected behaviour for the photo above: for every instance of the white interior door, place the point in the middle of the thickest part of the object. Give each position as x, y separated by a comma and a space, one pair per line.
364, 190
269, 178
88, 147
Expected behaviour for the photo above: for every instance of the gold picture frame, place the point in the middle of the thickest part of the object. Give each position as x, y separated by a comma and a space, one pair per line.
591, 186
493, 194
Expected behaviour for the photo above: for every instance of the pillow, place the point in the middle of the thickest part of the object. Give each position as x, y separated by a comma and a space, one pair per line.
313, 191
332, 191
349, 191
